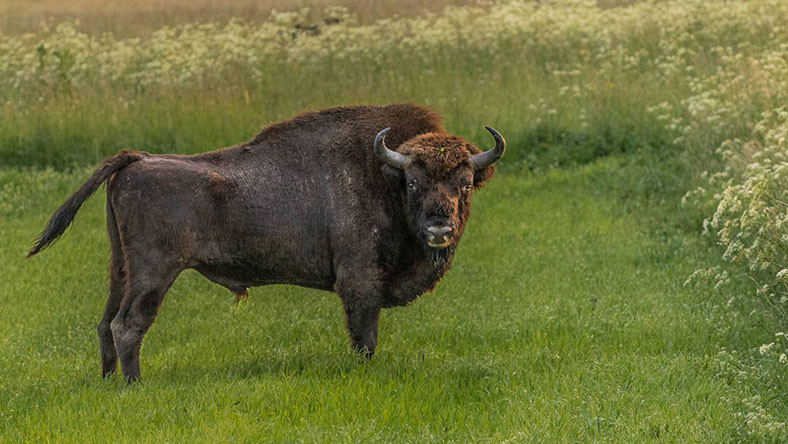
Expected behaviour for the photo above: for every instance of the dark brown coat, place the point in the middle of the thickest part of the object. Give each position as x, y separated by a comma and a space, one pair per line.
306, 202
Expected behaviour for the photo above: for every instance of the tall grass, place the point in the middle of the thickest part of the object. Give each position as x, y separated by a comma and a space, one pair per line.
137, 18
567, 74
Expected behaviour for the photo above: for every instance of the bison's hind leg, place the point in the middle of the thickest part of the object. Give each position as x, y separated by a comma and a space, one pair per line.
150, 272
109, 357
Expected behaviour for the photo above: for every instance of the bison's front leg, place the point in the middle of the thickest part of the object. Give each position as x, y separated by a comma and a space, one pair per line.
362, 324
360, 290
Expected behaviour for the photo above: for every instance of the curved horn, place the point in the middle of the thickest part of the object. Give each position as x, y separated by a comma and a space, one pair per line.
489, 157
393, 158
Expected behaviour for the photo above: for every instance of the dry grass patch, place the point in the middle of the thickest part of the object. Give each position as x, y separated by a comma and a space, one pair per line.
141, 17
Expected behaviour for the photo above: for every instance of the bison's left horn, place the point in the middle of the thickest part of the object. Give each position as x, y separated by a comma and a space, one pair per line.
393, 158
489, 157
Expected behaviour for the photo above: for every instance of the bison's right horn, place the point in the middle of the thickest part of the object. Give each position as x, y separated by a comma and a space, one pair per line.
393, 158
490, 156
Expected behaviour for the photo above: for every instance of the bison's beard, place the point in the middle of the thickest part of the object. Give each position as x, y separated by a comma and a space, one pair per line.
441, 256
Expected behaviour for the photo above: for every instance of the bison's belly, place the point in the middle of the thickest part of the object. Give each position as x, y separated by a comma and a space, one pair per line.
260, 245
248, 255
241, 275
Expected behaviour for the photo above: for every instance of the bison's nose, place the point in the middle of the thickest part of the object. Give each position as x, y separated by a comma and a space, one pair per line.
439, 235
440, 230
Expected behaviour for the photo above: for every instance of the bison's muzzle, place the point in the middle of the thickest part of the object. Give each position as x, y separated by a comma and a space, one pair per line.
439, 235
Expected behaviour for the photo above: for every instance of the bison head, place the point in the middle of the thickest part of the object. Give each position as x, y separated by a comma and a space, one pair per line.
436, 174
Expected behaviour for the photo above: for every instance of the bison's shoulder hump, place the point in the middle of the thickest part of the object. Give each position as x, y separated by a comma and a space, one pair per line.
412, 117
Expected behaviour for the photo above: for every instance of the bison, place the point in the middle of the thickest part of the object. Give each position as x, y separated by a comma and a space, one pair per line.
318, 201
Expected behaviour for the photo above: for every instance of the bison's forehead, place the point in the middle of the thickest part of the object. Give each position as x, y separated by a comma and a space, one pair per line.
440, 153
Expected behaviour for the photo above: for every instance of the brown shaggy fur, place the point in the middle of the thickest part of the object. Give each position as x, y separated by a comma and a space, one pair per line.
306, 202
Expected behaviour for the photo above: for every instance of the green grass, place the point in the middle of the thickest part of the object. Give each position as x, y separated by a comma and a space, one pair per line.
84, 128
562, 94
564, 319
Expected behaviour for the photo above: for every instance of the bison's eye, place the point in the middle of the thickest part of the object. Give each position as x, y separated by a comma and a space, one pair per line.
412, 185
467, 188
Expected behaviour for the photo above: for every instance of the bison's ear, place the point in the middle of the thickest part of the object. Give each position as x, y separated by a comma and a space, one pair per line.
483, 175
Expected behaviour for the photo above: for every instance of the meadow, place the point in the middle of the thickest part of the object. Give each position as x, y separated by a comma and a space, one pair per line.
625, 277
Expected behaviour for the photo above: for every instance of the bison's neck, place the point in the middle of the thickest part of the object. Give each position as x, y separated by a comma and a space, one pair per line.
419, 274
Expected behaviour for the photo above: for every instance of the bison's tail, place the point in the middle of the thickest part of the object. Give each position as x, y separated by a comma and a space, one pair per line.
65, 214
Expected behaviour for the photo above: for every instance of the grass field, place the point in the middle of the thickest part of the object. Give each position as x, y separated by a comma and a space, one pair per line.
564, 320
584, 305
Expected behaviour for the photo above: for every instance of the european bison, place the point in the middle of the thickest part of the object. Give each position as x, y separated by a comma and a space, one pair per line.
318, 201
